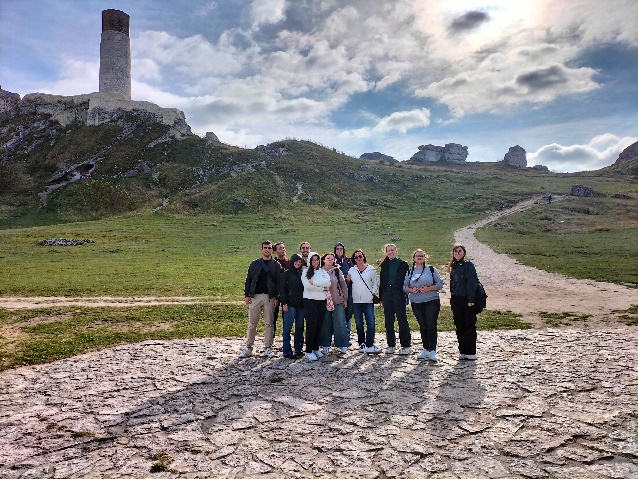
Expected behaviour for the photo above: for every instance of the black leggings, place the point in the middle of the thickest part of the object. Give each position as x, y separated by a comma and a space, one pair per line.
465, 323
314, 311
427, 315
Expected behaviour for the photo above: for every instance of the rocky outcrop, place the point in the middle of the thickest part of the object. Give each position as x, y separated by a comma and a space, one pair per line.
98, 108
210, 136
583, 191
450, 152
377, 156
273, 150
516, 156
8, 100
65, 242
540, 168
628, 153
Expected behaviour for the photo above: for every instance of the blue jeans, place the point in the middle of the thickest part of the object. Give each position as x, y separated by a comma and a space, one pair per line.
334, 322
364, 335
293, 316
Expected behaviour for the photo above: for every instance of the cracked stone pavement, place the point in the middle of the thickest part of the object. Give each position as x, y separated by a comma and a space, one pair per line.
556, 403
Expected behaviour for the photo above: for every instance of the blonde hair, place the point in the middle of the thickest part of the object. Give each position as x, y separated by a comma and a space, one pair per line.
385, 248
419, 250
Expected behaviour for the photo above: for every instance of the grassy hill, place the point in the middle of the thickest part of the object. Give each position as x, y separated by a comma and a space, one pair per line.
185, 217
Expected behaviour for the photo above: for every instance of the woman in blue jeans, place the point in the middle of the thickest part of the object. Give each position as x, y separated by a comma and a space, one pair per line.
363, 278
291, 300
422, 284
334, 322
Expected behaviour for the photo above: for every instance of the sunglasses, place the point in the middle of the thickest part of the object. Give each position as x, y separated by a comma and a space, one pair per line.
358, 256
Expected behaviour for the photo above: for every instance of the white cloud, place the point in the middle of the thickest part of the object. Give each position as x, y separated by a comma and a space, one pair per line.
601, 151
77, 77
206, 8
266, 11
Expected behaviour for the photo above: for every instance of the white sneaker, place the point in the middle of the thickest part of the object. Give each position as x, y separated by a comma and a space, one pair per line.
319, 354
389, 350
425, 354
311, 357
373, 350
246, 353
433, 355
325, 350
462, 356
344, 350
268, 353
471, 357
362, 348
405, 351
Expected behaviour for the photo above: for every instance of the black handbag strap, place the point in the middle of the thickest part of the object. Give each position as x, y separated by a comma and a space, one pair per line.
364, 281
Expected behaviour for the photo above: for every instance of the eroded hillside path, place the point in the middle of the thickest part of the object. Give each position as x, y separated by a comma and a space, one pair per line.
526, 290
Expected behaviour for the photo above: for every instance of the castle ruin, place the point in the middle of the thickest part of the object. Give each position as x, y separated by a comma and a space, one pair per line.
115, 55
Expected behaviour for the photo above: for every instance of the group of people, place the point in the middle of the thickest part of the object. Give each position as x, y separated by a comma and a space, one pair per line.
319, 295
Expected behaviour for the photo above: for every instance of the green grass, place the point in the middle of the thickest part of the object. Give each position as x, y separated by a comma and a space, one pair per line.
562, 319
592, 238
44, 335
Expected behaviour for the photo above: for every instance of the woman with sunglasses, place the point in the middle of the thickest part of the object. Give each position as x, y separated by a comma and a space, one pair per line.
316, 282
363, 278
422, 284
463, 284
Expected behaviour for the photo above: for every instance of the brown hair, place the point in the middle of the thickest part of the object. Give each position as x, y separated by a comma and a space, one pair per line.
457, 245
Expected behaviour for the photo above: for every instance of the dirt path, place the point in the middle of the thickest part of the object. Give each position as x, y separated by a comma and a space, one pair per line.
526, 290
510, 285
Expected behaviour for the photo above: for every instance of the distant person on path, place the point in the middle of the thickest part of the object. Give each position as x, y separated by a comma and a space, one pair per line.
315, 283
280, 257
393, 301
334, 322
291, 299
261, 291
422, 284
463, 284
343, 262
549, 199
363, 278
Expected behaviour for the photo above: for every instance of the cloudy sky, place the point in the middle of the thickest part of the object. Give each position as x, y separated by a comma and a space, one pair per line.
557, 77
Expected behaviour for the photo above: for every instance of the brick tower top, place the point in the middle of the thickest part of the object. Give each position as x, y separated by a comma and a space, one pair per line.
115, 20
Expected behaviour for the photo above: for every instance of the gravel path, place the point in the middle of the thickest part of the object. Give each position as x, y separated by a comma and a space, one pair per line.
526, 290
555, 403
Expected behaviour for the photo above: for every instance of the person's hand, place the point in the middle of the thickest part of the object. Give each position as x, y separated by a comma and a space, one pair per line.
285, 308
275, 303
381, 304
311, 282
470, 304
248, 300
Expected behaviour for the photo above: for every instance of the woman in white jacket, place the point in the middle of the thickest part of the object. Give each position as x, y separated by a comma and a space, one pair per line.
364, 284
316, 282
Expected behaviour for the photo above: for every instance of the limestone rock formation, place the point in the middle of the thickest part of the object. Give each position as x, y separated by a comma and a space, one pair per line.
8, 100
540, 168
210, 136
449, 152
628, 153
583, 191
377, 156
98, 108
516, 156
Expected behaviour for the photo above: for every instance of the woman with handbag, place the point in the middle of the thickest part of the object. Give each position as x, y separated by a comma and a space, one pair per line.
316, 282
363, 278
422, 284
334, 322
463, 284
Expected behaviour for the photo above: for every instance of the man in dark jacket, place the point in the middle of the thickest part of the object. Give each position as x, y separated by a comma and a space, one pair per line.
393, 301
291, 299
261, 292
279, 250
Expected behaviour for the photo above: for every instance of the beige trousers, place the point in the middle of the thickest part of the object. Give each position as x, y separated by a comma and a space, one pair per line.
261, 302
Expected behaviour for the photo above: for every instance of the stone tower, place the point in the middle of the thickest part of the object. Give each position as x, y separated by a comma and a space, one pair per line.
115, 55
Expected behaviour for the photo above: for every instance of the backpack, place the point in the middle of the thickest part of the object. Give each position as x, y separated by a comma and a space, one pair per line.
480, 298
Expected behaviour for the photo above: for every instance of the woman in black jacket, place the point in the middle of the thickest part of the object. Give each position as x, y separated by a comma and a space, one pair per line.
463, 284
291, 300
393, 300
